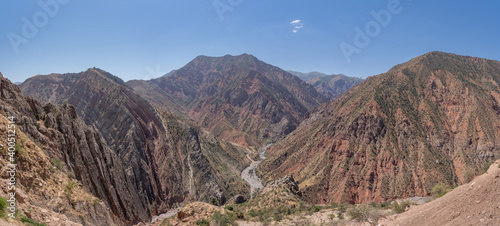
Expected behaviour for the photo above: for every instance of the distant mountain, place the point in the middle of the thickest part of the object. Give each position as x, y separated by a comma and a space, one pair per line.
238, 98
307, 76
434, 119
166, 159
334, 85
330, 86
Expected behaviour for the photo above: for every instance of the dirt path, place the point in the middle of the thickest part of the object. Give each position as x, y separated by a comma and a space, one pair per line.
248, 174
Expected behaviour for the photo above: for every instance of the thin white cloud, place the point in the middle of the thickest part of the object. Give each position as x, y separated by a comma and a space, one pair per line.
297, 25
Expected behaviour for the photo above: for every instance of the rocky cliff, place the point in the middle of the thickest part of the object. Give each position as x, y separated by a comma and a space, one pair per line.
433, 119
66, 172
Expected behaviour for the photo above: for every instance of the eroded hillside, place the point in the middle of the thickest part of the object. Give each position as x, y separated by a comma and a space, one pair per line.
433, 119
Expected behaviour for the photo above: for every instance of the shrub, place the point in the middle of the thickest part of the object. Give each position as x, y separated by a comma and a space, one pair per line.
69, 192
19, 149
202, 222
400, 207
364, 214
3, 205
214, 201
342, 208
440, 189
315, 208
56, 163
229, 208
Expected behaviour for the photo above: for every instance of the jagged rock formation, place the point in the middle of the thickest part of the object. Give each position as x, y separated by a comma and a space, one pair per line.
433, 119
48, 132
330, 86
163, 164
287, 183
238, 98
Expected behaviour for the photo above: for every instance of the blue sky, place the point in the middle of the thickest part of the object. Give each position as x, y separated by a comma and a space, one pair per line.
142, 39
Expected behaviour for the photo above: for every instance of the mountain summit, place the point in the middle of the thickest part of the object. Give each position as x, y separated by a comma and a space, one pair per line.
434, 119
238, 98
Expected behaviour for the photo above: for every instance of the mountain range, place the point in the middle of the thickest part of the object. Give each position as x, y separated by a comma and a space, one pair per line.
123, 152
330, 86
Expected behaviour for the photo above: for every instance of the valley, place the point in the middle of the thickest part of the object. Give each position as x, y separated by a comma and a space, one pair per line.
249, 174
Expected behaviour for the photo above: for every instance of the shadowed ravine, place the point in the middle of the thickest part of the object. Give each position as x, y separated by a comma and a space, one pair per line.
248, 174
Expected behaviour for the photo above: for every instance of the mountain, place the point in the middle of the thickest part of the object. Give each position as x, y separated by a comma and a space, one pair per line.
238, 98
334, 85
434, 119
65, 170
330, 86
307, 76
167, 159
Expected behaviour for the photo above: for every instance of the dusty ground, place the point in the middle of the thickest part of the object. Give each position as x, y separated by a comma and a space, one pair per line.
475, 203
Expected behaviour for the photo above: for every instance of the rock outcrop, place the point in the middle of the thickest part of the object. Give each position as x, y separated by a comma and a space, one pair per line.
287, 183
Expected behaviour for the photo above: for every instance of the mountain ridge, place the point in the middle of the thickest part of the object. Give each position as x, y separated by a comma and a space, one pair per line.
384, 138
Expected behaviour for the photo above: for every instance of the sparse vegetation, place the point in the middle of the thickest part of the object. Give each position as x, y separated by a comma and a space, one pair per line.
223, 219
30, 221
68, 191
440, 189
202, 222
56, 163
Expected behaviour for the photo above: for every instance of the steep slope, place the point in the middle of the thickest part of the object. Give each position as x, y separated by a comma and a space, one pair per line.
475, 203
48, 135
238, 98
433, 119
162, 171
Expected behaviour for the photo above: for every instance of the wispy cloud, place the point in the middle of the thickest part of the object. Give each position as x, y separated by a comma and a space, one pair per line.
297, 25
